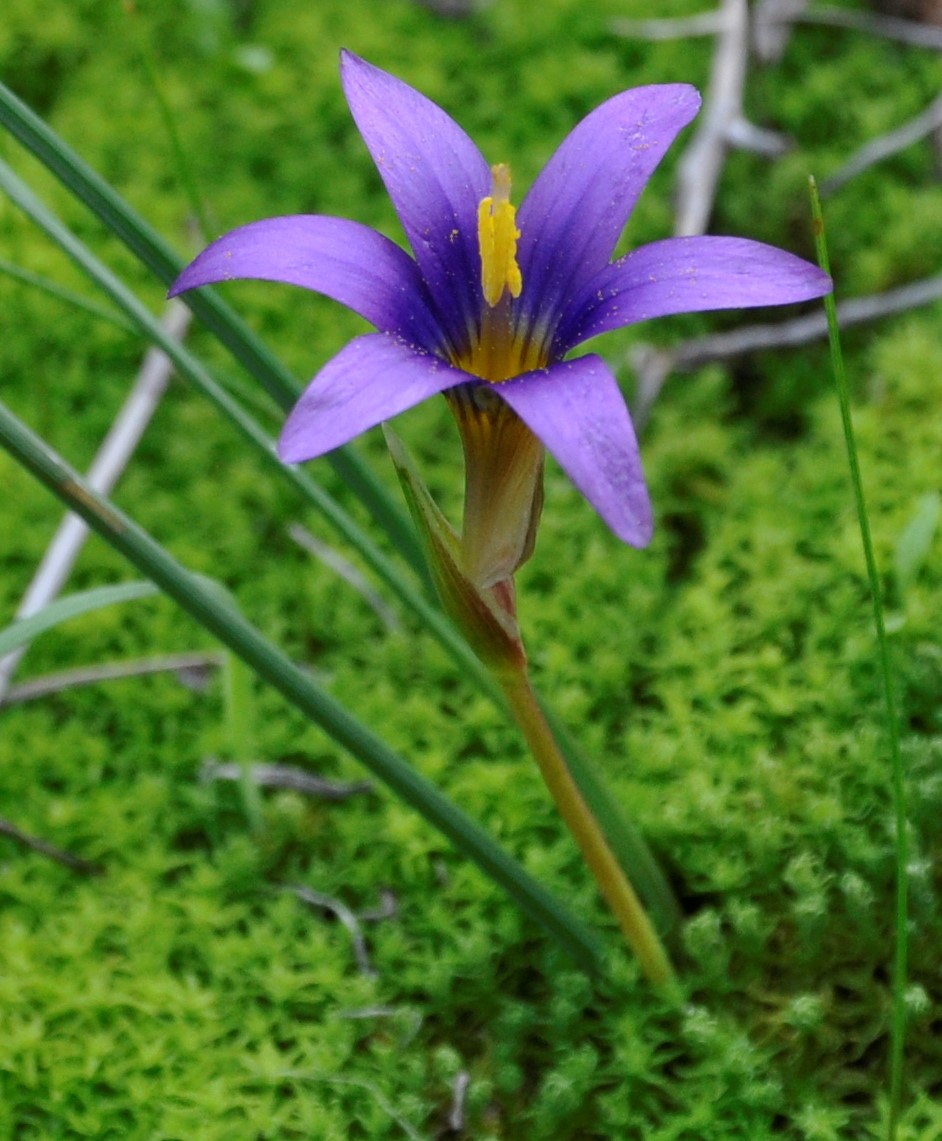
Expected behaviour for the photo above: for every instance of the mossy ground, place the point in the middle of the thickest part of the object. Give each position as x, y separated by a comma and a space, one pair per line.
725, 678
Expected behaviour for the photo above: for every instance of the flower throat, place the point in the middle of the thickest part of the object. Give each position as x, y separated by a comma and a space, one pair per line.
500, 351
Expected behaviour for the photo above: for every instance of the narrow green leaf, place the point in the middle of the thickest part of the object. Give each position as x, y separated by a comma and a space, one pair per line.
217, 616
489, 629
256, 358
189, 367
70, 297
144, 242
891, 713
240, 722
184, 171
25, 630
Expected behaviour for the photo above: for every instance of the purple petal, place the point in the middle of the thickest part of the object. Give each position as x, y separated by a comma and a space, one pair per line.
576, 408
346, 261
688, 275
435, 176
577, 208
374, 378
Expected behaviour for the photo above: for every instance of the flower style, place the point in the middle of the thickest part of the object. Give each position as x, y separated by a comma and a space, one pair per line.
494, 300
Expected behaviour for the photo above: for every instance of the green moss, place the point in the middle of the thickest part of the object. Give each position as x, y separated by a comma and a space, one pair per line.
725, 677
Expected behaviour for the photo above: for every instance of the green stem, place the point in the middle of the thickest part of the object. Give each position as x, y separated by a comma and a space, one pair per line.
633, 854
626, 841
69, 296
898, 1023
183, 168
197, 374
613, 883
153, 252
217, 615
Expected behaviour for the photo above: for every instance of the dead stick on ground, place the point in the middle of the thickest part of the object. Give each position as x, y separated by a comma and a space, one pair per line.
347, 571
285, 776
670, 28
44, 848
772, 25
344, 915
196, 664
886, 145
702, 162
653, 366
113, 455
889, 27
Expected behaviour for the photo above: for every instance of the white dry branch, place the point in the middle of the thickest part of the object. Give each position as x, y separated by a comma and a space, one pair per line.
671, 27
884, 146
113, 455
459, 1090
284, 776
889, 27
347, 571
341, 912
721, 124
772, 23
652, 366
192, 669
702, 163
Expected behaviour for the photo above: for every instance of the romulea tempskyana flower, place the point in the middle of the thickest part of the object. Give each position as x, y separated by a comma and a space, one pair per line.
494, 300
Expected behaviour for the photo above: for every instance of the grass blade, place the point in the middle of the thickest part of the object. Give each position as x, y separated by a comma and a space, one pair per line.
189, 367
627, 843
898, 1022
24, 630
67, 296
92, 190
209, 606
184, 172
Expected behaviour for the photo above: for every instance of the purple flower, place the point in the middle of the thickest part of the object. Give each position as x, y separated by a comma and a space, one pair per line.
494, 300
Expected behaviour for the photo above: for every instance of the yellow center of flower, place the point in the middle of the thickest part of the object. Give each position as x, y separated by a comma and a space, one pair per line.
497, 238
501, 346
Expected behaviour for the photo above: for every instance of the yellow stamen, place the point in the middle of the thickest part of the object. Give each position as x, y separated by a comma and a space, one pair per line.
497, 238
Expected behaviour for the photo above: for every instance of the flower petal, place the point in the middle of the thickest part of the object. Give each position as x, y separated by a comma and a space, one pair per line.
688, 275
344, 260
577, 208
373, 378
435, 176
576, 408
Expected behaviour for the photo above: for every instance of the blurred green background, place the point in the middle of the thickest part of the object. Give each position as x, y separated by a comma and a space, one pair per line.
725, 679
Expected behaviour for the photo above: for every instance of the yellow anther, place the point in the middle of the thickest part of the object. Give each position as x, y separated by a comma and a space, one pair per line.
497, 238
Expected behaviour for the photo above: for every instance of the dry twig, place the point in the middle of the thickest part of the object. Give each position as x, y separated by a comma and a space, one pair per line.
671, 28
653, 366
44, 848
700, 167
285, 776
772, 23
346, 570
343, 913
886, 145
113, 455
459, 1092
890, 27
192, 669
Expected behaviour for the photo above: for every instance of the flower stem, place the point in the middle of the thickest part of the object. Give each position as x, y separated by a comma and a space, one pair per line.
618, 892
